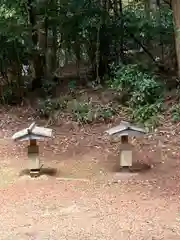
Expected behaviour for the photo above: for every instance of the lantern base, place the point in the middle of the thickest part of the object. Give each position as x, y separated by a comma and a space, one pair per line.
125, 168
34, 173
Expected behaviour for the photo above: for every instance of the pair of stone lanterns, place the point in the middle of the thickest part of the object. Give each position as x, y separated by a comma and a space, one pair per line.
34, 133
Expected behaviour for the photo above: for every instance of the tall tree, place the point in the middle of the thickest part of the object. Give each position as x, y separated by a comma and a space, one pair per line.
176, 14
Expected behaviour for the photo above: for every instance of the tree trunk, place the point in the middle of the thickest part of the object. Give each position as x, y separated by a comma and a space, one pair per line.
37, 58
98, 53
122, 32
147, 8
77, 51
54, 49
43, 47
51, 48
176, 15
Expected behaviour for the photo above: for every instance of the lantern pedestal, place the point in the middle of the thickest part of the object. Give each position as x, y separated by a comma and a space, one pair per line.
33, 156
126, 157
125, 153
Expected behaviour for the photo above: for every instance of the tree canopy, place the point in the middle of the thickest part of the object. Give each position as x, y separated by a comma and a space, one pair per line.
47, 35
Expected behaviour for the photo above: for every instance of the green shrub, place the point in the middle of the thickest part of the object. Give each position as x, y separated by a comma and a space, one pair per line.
49, 86
72, 84
141, 87
146, 91
175, 112
146, 113
125, 78
81, 111
87, 112
143, 92
47, 107
10, 95
106, 112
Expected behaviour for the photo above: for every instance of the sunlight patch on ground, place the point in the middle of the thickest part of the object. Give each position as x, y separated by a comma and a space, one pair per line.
8, 176
81, 167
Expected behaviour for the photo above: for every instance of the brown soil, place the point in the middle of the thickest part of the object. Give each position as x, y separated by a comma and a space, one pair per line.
86, 198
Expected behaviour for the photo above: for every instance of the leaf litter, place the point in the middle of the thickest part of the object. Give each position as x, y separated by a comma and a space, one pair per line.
106, 206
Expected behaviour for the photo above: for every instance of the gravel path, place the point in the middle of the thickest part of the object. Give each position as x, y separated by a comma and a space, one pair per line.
106, 206
52, 209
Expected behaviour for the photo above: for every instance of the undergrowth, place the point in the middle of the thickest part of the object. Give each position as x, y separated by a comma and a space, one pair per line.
175, 112
79, 111
144, 93
140, 92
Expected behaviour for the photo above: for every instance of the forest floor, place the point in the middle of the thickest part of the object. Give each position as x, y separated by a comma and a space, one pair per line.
87, 198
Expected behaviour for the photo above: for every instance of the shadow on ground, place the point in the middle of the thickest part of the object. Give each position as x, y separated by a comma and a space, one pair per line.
53, 172
137, 167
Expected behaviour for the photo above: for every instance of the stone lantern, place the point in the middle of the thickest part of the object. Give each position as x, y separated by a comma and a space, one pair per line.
124, 131
32, 134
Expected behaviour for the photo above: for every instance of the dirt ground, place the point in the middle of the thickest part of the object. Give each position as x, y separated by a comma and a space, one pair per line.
87, 198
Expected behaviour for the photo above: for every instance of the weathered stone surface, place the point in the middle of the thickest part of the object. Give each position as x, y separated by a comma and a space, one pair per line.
125, 129
33, 132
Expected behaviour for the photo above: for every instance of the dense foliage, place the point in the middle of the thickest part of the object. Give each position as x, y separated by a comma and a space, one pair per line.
46, 36
142, 91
